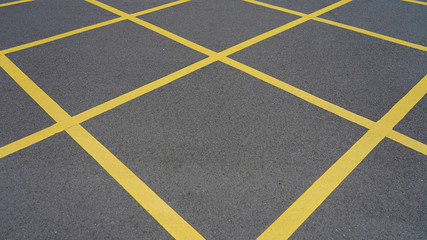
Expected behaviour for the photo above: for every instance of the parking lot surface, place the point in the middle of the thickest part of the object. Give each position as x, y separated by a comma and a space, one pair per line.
213, 119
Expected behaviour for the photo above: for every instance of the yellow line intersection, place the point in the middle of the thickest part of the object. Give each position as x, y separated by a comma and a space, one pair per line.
292, 218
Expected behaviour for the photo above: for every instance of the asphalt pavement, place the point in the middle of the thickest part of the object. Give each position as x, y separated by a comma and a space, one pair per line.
213, 119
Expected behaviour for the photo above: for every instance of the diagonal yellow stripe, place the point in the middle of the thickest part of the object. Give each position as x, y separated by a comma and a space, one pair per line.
148, 199
154, 28
15, 2
344, 26
160, 210
283, 28
101, 153
36, 137
88, 28
308, 202
417, 2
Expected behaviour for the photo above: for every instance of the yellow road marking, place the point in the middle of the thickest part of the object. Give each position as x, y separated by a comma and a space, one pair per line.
154, 28
350, 116
417, 2
85, 29
283, 28
149, 200
373, 34
161, 211
60, 36
34, 138
344, 26
97, 110
13, 3
115, 102
177, 227
408, 142
84, 116
54, 110
282, 9
308, 202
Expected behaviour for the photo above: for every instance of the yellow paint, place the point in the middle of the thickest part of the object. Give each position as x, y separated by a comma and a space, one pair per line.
417, 2
30, 140
350, 116
276, 8
148, 199
47, 103
88, 28
344, 26
36, 137
60, 36
161, 7
308, 202
373, 34
95, 111
408, 142
281, 29
154, 28
15, 2
154, 205
165, 215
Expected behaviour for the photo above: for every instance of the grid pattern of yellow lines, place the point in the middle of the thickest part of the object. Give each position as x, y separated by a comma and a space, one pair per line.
303, 207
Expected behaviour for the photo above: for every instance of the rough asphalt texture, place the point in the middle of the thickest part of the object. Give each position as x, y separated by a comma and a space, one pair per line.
227, 151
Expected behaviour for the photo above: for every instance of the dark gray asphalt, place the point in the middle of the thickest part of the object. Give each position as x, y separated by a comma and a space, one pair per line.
228, 152
88, 69
225, 150
415, 123
31, 21
20, 115
362, 74
394, 18
218, 24
55, 190
384, 198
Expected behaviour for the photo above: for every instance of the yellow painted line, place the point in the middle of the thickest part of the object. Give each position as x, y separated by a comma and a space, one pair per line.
88, 28
154, 28
14, 3
60, 36
104, 107
417, 2
330, 107
344, 26
276, 8
149, 200
373, 34
283, 28
350, 116
95, 111
308, 202
161, 7
165, 215
113, 103
408, 142
35, 137
169, 219
47, 103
